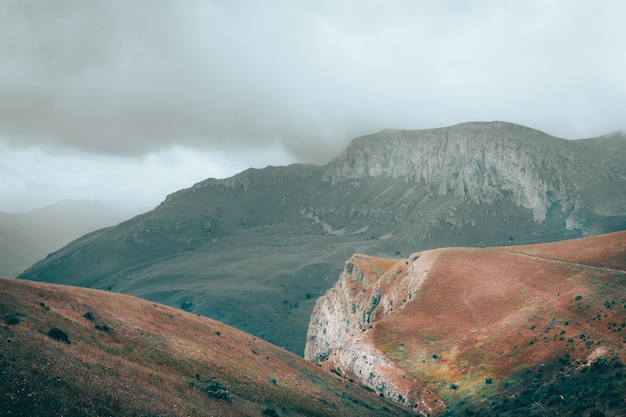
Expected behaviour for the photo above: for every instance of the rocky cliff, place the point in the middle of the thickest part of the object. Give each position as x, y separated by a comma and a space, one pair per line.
445, 327
339, 331
483, 163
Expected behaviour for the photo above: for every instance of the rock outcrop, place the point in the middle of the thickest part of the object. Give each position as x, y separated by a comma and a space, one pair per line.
339, 332
481, 163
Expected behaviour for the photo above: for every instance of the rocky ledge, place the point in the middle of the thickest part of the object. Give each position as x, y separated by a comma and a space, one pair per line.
339, 337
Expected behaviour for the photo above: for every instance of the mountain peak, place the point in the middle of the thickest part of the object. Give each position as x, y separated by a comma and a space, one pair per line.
477, 161
474, 126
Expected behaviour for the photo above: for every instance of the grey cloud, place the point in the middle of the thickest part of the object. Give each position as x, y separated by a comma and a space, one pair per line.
128, 78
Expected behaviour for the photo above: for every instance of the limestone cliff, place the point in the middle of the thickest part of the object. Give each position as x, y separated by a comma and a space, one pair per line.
339, 332
481, 163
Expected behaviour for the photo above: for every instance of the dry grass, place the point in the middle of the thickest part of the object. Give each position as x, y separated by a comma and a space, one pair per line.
131, 357
506, 315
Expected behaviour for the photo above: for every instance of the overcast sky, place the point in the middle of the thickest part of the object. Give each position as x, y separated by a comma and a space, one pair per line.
127, 101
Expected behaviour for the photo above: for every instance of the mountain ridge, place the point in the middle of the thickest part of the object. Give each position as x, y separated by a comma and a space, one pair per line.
396, 154
274, 239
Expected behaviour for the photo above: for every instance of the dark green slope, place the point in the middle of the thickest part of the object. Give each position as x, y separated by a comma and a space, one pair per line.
257, 249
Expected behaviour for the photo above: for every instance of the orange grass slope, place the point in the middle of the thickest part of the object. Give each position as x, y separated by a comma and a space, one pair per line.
68, 351
504, 331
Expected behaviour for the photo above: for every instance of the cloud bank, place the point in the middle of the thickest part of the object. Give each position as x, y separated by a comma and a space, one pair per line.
124, 80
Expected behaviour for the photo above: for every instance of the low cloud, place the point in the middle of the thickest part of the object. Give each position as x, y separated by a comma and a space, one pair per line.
36, 177
129, 79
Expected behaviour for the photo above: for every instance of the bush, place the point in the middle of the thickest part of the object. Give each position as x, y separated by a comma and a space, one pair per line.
89, 316
269, 412
13, 318
59, 335
217, 389
103, 327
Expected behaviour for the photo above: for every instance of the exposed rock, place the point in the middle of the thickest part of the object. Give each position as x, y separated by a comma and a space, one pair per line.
339, 334
479, 162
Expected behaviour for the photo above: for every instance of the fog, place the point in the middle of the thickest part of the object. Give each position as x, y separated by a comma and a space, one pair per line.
126, 102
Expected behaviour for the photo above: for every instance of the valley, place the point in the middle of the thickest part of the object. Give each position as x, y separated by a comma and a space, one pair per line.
256, 250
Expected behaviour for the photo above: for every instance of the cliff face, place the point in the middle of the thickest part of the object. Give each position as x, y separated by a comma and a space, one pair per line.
428, 331
339, 334
481, 163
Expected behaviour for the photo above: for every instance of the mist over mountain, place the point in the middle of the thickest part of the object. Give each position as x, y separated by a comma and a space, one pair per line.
27, 237
256, 250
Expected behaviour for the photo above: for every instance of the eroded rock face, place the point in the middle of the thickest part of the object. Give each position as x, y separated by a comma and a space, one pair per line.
339, 333
475, 163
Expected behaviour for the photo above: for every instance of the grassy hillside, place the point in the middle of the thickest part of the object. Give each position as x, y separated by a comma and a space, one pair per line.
527, 330
542, 326
66, 351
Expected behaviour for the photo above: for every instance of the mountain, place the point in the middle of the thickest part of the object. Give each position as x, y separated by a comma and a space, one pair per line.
68, 351
256, 250
27, 237
508, 331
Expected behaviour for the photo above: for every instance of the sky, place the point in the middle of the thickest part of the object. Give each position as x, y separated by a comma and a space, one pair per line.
125, 102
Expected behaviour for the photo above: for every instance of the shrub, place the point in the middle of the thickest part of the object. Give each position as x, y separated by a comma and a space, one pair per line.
269, 412
13, 318
89, 316
103, 327
217, 389
59, 335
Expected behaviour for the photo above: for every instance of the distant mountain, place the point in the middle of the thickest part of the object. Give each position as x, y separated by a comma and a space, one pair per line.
257, 249
68, 352
27, 237
509, 331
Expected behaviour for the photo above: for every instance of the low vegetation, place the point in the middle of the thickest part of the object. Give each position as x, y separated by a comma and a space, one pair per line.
517, 331
92, 353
